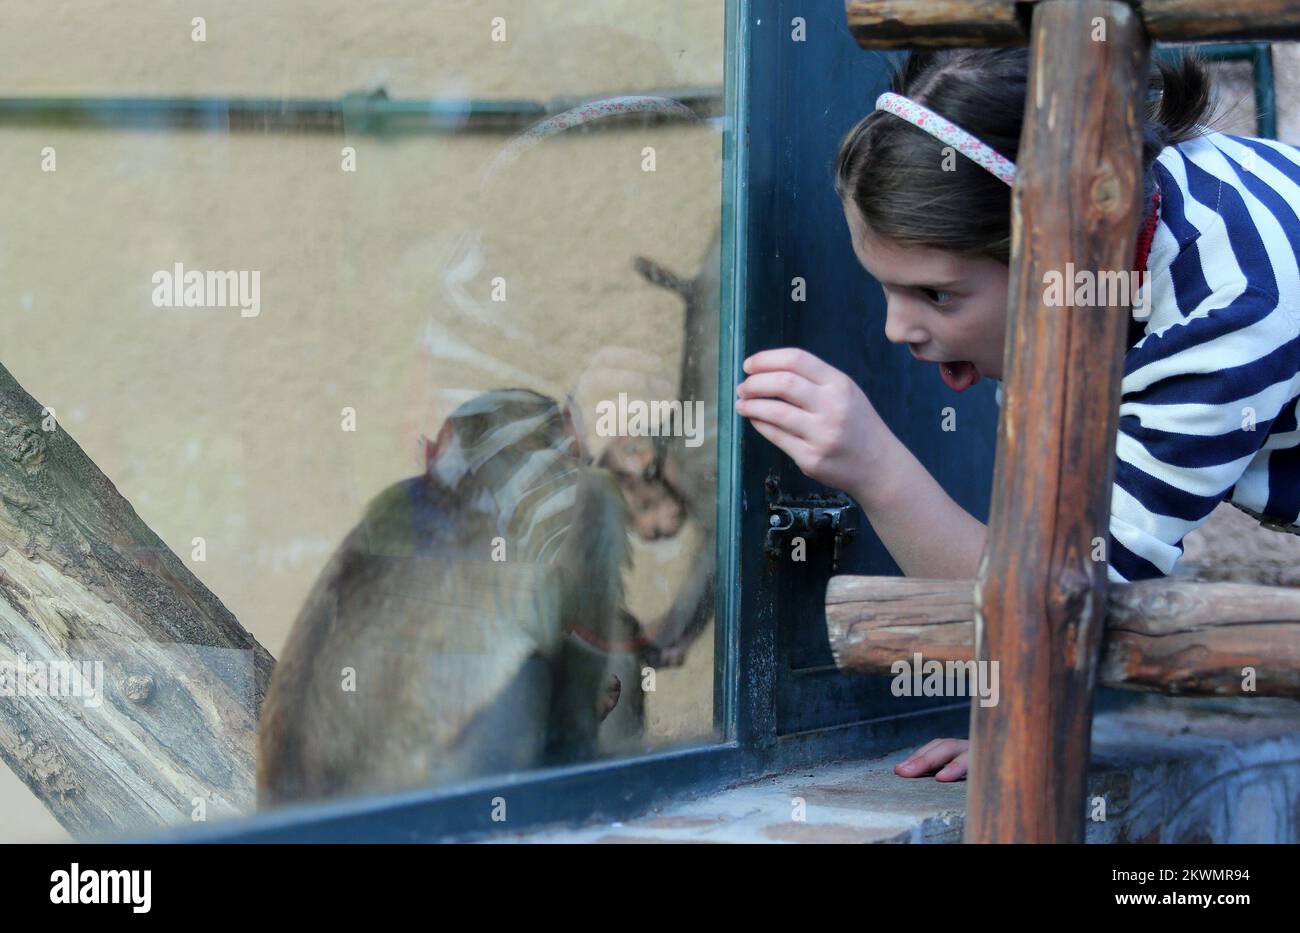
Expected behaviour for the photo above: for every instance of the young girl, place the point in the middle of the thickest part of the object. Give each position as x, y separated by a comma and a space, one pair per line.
1210, 386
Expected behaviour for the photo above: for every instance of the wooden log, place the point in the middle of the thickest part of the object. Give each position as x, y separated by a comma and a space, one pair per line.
1165, 636
880, 24
1207, 20
85, 585
1040, 596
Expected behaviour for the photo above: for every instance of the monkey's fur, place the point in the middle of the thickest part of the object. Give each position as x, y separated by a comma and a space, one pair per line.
464, 666
662, 478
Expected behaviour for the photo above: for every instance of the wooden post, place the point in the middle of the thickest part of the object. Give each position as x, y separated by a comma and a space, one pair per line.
1040, 595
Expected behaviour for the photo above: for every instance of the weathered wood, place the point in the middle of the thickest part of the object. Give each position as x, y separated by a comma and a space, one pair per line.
1166, 636
1204, 20
83, 580
880, 24
1040, 597
907, 24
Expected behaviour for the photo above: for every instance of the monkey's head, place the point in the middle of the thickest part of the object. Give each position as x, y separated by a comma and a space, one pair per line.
646, 477
492, 435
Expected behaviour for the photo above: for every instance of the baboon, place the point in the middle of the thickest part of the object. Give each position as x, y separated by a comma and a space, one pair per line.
663, 479
471, 624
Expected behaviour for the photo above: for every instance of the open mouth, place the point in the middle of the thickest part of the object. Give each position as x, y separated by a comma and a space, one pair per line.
959, 375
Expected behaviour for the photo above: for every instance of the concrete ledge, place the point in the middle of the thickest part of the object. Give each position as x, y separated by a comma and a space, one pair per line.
1163, 770
1198, 771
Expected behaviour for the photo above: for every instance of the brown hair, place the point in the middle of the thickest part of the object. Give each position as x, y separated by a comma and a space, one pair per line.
894, 171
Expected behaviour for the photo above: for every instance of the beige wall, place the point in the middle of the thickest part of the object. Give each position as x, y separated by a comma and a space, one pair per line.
374, 284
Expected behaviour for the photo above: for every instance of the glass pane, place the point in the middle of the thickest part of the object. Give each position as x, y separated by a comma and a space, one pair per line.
369, 314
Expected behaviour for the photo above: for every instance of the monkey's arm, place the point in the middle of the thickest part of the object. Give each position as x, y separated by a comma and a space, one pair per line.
674, 632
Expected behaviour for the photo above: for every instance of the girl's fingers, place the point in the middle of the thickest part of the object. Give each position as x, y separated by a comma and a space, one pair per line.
932, 756
794, 447
793, 359
783, 415
955, 770
909, 765
786, 385
926, 747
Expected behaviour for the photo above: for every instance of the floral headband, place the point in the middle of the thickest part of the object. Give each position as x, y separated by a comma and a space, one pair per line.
980, 153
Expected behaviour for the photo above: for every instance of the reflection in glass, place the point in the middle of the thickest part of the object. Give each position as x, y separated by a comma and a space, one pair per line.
487, 264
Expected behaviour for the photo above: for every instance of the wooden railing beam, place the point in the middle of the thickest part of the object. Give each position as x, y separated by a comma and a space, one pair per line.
878, 24
1176, 637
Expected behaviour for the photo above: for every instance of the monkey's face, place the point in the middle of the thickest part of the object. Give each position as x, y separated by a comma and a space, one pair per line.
656, 506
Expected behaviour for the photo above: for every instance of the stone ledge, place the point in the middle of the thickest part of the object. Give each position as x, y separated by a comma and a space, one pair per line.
1167, 769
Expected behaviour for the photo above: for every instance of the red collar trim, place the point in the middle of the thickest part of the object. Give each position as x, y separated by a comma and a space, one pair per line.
1147, 235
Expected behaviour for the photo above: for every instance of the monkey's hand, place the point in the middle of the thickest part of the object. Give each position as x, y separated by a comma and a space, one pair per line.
613, 690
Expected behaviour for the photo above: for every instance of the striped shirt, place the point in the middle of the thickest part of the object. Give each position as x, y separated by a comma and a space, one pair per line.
1210, 392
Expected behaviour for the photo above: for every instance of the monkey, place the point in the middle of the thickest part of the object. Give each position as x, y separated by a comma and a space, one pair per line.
420, 657
662, 479
656, 507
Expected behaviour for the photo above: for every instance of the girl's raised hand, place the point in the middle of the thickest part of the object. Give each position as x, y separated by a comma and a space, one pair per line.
818, 416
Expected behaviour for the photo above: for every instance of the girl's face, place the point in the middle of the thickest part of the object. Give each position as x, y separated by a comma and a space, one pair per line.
948, 308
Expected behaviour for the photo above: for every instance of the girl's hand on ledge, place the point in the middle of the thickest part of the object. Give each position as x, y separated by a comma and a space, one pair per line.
948, 755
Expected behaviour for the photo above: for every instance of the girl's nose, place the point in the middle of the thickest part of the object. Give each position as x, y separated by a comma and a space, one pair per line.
899, 327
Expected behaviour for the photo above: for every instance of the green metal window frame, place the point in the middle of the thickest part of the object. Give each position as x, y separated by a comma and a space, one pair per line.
1260, 56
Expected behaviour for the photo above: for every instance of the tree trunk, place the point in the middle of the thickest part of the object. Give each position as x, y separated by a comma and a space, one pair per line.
166, 732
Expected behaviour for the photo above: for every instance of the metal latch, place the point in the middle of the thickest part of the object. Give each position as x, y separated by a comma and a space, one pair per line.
810, 516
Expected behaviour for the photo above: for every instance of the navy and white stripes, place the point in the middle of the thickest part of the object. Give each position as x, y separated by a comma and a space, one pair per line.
1209, 395
1210, 392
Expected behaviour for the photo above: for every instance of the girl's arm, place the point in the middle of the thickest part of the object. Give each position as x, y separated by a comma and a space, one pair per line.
926, 532
824, 422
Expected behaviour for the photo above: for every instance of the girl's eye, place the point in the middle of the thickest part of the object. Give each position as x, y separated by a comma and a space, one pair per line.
937, 296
